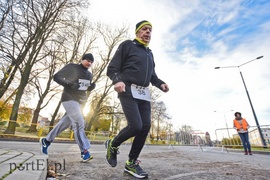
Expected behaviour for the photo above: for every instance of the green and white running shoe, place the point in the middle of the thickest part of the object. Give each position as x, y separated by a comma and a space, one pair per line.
133, 167
111, 155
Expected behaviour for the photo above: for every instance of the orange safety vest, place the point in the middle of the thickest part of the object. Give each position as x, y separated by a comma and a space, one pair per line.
239, 126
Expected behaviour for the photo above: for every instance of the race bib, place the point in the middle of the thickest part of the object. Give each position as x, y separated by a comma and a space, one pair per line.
139, 92
84, 84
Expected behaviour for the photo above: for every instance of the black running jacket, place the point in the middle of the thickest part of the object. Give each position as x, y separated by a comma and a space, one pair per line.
133, 63
71, 77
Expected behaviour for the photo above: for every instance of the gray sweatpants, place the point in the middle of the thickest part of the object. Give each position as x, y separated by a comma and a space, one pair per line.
74, 117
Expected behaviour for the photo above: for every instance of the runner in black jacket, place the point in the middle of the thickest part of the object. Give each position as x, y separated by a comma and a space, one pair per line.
132, 69
133, 63
76, 80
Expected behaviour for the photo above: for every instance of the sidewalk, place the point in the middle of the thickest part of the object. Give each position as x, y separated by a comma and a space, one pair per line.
22, 165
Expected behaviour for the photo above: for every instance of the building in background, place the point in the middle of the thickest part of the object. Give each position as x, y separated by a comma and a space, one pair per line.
43, 121
254, 136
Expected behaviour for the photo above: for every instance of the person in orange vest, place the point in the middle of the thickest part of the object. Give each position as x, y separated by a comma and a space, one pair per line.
241, 125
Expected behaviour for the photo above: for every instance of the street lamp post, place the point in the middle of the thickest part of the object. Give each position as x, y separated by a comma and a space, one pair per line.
253, 111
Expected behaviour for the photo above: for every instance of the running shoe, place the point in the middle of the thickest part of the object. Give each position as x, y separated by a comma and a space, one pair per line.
133, 168
86, 156
44, 144
111, 155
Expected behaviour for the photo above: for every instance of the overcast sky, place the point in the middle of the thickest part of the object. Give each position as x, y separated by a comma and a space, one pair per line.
189, 39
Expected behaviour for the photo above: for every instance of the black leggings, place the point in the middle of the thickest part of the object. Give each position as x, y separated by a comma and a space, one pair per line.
138, 115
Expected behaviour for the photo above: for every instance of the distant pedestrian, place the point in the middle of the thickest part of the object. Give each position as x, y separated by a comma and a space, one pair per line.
76, 80
241, 126
131, 70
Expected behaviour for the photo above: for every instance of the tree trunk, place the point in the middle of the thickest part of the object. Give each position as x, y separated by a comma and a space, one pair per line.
14, 113
54, 115
89, 126
33, 127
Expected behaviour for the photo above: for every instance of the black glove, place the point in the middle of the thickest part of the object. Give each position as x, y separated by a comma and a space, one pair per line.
74, 86
92, 87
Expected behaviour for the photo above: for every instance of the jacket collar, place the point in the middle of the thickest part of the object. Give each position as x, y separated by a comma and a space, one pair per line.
135, 41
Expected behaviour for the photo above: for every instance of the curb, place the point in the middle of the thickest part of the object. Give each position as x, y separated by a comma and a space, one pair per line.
22, 165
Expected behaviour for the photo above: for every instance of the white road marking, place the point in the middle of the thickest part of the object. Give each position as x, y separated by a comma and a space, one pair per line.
184, 174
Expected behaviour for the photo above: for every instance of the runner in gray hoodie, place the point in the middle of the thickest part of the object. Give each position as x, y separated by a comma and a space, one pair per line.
76, 80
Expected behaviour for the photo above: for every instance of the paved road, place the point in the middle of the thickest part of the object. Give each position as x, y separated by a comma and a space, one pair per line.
161, 162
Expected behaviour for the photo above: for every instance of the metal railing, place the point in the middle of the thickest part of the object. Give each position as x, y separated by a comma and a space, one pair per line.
224, 136
172, 138
230, 137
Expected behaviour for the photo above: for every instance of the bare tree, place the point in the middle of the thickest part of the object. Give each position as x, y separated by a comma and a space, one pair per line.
98, 101
32, 24
40, 76
117, 118
5, 8
55, 115
155, 94
159, 114
111, 38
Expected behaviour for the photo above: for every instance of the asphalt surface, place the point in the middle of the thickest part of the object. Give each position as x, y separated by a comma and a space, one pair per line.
161, 162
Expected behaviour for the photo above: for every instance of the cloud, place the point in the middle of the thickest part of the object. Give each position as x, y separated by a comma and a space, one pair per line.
189, 39
200, 88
